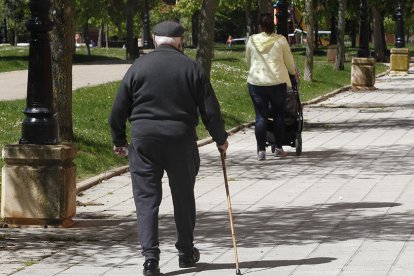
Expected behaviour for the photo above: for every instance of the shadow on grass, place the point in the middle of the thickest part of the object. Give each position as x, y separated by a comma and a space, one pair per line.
14, 58
98, 59
232, 120
238, 49
227, 59
318, 53
98, 146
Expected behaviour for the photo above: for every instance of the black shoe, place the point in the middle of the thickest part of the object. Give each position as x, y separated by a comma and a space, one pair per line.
185, 261
151, 268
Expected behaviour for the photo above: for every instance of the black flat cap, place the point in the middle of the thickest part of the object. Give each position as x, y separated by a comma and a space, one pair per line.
169, 28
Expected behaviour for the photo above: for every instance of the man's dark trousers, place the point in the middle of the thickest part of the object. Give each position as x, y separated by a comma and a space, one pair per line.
147, 161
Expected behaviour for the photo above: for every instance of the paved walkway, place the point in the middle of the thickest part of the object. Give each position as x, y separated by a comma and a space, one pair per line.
344, 207
13, 85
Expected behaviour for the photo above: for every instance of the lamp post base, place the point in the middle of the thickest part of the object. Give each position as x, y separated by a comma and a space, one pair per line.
38, 184
399, 61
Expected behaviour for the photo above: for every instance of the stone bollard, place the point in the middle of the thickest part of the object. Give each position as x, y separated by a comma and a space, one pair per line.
363, 73
39, 184
331, 53
400, 61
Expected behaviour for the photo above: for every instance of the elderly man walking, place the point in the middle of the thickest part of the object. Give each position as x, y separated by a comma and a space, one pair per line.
162, 94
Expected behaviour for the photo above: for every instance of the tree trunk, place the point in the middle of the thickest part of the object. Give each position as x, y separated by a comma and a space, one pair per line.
195, 24
61, 49
119, 30
315, 20
265, 6
130, 31
408, 35
100, 34
379, 47
353, 33
310, 40
106, 35
86, 37
73, 11
340, 51
333, 39
206, 39
384, 41
316, 47
249, 28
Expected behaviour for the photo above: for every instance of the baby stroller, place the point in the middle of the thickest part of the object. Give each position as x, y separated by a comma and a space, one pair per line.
293, 121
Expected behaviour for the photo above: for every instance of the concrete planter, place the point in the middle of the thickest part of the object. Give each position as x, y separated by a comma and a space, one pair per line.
400, 61
363, 73
331, 53
39, 184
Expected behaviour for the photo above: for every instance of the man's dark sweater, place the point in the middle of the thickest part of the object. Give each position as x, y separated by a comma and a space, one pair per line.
162, 94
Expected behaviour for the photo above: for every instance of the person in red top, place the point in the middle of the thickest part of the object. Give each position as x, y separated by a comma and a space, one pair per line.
229, 41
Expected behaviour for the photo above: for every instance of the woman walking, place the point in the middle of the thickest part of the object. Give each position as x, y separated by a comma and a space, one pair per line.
270, 62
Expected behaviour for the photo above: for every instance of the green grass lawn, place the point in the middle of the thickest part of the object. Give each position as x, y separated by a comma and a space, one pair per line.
91, 106
16, 58
13, 58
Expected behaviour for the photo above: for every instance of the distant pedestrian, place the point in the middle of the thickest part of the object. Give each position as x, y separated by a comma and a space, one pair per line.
270, 62
161, 95
229, 41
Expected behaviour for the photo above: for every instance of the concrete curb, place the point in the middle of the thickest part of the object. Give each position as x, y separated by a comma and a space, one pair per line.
337, 91
90, 182
327, 96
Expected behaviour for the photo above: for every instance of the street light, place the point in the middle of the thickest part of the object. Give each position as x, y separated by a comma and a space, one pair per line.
146, 37
399, 33
40, 124
363, 50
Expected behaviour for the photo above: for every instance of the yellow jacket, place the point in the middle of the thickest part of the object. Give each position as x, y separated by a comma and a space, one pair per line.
269, 60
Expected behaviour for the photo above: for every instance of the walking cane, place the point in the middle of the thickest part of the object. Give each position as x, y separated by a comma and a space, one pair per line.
233, 236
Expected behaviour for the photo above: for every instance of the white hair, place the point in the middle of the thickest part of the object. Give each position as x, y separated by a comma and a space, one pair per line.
165, 40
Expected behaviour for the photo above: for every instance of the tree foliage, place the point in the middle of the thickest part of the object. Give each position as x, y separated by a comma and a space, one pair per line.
17, 13
1, 9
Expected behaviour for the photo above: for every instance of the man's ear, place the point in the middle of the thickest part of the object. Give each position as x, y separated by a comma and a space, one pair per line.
182, 44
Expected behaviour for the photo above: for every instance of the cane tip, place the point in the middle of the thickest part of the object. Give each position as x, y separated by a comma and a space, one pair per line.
238, 272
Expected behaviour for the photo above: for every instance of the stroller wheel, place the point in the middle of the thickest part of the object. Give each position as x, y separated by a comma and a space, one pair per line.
298, 144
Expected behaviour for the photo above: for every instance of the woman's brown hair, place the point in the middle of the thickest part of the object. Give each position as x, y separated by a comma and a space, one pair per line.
266, 23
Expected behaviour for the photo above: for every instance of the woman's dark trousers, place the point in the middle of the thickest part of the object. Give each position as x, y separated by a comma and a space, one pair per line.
269, 99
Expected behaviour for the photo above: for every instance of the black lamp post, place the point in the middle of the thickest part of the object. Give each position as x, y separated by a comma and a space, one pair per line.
4, 31
363, 50
40, 125
399, 33
281, 17
146, 27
